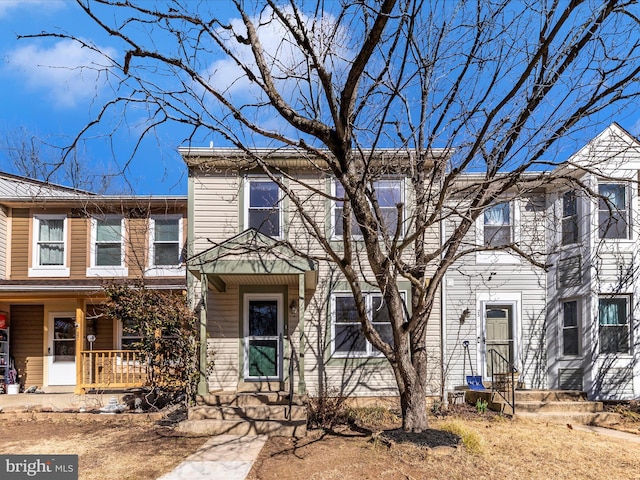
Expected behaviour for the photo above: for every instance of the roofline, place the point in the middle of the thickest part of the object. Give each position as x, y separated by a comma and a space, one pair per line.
42, 183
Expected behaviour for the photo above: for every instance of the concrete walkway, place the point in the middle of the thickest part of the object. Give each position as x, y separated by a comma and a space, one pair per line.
609, 432
227, 457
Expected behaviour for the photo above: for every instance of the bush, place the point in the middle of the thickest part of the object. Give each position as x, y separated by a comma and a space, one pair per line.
327, 410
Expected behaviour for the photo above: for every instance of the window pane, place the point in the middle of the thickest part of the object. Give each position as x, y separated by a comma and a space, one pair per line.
108, 254
108, 230
263, 194
613, 224
263, 318
570, 340
51, 230
497, 215
166, 231
388, 192
569, 230
570, 310
51, 254
613, 196
265, 221
385, 332
497, 236
166, 254
349, 338
569, 204
380, 311
346, 310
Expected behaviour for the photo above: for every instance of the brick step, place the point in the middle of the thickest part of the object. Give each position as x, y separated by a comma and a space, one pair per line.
550, 396
294, 428
559, 407
248, 412
244, 399
579, 418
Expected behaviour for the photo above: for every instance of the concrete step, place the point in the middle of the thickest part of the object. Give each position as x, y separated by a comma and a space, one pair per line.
550, 396
559, 407
248, 412
244, 399
578, 418
294, 428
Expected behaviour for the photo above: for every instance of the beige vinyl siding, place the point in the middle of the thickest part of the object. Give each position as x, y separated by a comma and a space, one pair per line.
3, 242
20, 243
223, 330
27, 340
216, 209
78, 246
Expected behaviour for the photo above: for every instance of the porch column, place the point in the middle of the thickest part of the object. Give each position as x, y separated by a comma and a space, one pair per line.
80, 334
203, 386
302, 386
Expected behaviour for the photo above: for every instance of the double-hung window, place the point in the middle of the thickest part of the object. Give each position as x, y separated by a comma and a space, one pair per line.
165, 235
49, 252
107, 246
613, 319
570, 328
348, 339
389, 193
263, 212
613, 211
570, 232
498, 226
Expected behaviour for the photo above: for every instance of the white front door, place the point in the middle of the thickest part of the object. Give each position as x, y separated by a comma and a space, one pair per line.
62, 349
263, 321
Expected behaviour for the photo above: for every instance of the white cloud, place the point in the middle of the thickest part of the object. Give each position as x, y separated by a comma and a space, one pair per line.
68, 72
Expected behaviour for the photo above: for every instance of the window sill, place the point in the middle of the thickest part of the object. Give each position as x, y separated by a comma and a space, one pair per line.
502, 258
107, 272
177, 271
49, 272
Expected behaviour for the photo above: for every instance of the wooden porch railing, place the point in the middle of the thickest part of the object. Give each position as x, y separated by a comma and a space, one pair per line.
111, 369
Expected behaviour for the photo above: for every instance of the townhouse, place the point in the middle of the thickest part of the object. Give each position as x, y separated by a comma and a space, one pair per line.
58, 247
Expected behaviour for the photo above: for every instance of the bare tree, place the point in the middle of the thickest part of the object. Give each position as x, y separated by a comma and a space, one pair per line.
472, 99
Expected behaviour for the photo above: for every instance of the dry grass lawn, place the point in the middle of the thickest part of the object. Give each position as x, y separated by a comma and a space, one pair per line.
505, 450
108, 448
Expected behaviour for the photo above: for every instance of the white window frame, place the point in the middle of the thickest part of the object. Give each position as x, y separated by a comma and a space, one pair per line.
107, 270
334, 204
165, 270
247, 201
577, 327
629, 315
370, 351
38, 270
575, 217
627, 210
500, 256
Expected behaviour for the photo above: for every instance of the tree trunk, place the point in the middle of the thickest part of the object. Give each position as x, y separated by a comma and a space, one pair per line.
414, 408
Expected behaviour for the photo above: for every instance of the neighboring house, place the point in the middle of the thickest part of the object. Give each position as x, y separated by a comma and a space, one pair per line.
575, 325
58, 247
275, 319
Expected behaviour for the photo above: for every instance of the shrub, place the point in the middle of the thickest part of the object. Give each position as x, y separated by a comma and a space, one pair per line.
327, 409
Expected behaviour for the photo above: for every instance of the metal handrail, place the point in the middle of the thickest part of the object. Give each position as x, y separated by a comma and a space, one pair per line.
288, 415
511, 370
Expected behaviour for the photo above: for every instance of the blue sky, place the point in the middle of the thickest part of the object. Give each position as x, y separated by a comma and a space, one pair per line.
45, 94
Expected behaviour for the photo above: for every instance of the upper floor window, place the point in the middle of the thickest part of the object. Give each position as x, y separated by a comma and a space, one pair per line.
570, 232
613, 211
570, 328
389, 193
263, 206
613, 319
107, 246
348, 339
50, 240
498, 227
165, 238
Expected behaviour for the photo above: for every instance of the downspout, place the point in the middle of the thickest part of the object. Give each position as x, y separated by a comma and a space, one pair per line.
443, 325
